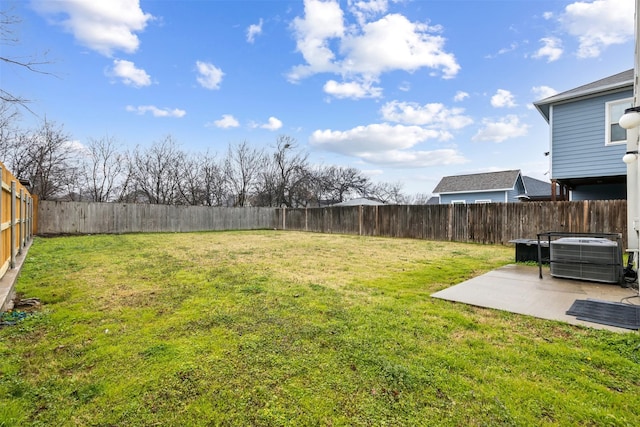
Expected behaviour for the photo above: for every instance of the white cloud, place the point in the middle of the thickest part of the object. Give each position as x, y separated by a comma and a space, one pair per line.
272, 124
372, 172
395, 43
599, 24
227, 121
433, 114
542, 92
503, 98
366, 49
210, 76
353, 90
460, 96
155, 111
405, 86
501, 130
386, 145
77, 147
551, 49
512, 47
416, 159
364, 10
377, 137
253, 31
103, 26
323, 21
130, 75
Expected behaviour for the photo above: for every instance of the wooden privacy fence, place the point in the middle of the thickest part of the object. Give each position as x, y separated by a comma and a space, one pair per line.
16, 219
492, 223
115, 218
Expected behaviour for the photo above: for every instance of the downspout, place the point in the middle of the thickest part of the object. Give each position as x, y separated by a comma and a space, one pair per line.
631, 157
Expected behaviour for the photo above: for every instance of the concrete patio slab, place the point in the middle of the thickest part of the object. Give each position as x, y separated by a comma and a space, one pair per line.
518, 289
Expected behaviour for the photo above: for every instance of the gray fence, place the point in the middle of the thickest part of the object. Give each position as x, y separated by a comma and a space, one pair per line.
108, 218
481, 223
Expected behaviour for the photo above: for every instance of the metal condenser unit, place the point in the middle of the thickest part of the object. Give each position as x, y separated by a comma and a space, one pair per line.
586, 258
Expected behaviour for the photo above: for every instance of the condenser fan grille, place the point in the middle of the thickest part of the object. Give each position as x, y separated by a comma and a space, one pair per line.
595, 259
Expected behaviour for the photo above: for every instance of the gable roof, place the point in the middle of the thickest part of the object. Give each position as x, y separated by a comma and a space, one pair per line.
488, 181
616, 82
433, 200
535, 188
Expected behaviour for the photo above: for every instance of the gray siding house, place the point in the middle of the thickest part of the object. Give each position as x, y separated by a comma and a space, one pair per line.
586, 142
491, 187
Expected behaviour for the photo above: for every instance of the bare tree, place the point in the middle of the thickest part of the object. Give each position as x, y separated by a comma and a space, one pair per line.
388, 192
103, 173
291, 167
8, 132
155, 172
202, 181
284, 178
340, 183
9, 115
420, 199
214, 182
190, 182
267, 185
45, 156
242, 167
8, 21
53, 160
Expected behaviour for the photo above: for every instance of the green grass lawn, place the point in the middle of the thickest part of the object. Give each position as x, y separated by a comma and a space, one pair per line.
285, 328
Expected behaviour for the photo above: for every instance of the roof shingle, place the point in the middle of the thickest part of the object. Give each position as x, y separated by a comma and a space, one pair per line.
502, 180
616, 81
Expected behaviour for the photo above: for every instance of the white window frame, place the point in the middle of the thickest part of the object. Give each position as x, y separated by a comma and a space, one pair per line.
458, 202
483, 201
608, 120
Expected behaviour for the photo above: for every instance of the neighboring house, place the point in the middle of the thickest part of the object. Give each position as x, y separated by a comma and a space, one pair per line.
586, 142
536, 190
433, 200
361, 201
491, 187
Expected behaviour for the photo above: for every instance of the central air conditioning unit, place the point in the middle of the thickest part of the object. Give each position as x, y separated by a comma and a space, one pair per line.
593, 259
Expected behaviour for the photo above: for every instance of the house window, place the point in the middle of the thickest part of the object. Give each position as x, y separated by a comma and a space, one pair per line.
615, 134
458, 202
483, 201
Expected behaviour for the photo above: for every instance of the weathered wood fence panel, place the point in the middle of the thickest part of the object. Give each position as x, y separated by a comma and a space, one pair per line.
115, 218
481, 223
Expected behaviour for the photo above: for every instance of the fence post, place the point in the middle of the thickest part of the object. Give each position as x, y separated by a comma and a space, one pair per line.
21, 221
360, 220
29, 220
284, 218
376, 231
2, 256
12, 263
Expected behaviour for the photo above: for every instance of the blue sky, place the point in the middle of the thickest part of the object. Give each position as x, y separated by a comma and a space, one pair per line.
405, 90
